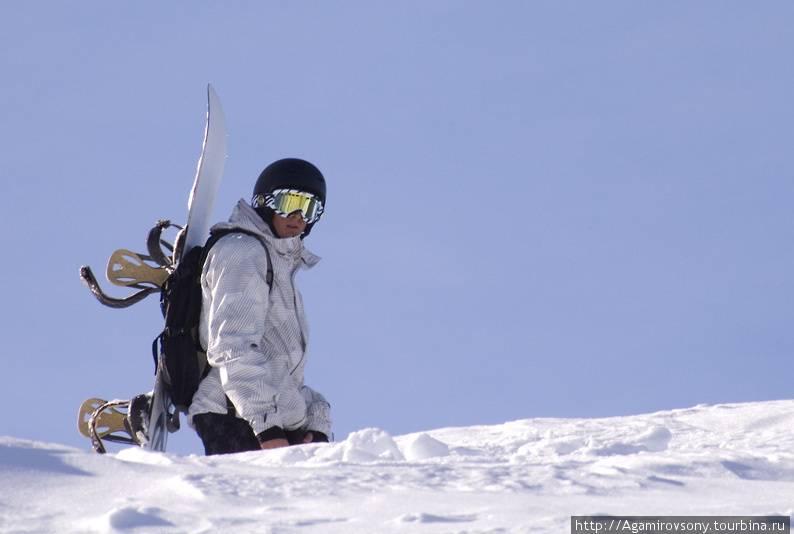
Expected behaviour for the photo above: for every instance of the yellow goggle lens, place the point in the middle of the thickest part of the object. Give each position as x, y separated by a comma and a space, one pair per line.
285, 202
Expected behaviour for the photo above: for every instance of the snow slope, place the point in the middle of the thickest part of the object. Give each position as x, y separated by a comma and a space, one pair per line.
524, 476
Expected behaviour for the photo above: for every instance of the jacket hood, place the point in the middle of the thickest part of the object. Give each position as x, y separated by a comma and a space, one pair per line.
244, 217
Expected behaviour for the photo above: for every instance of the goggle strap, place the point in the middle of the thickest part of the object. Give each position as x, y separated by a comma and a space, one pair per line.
259, 201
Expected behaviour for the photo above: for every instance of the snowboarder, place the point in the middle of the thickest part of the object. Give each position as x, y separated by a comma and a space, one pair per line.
253, 323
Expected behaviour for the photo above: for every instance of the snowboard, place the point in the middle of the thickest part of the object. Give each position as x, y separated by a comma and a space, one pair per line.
201, 205
149, 418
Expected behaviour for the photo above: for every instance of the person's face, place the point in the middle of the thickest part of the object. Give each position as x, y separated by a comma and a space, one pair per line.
290, 226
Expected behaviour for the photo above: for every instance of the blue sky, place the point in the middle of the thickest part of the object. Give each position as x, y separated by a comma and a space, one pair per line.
535, 209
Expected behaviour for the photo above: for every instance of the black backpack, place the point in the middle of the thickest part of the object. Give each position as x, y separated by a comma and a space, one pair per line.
177, 351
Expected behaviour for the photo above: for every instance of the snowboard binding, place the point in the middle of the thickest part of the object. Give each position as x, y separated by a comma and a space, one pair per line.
144, 272
101, 420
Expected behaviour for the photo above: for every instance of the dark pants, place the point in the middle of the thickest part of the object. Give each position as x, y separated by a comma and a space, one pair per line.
225, 433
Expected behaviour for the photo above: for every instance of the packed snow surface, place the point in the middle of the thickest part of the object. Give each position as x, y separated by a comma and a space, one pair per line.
523, 476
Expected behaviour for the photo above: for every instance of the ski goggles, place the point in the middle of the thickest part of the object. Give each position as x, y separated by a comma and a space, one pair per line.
285, 202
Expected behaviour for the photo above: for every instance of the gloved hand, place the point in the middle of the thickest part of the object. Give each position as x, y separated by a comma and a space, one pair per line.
276, 437
299, 437
273, 438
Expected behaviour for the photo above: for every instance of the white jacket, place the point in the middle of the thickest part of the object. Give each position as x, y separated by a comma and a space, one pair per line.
256, 336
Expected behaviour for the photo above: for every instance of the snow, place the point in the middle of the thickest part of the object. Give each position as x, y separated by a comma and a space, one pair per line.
524, 476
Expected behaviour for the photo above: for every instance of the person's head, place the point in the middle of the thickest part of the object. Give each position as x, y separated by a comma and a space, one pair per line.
289, 195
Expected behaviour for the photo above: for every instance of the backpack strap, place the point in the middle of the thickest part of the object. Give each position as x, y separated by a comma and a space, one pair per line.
215, 236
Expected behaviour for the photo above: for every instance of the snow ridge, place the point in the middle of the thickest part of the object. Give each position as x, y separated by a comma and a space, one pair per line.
523, 476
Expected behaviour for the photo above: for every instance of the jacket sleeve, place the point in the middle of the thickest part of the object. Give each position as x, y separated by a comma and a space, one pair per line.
235, 305
318, 411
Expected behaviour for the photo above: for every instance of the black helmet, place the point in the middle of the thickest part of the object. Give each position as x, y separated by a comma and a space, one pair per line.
289, 173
